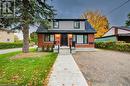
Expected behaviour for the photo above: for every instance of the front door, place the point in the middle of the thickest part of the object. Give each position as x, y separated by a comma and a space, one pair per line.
64, 40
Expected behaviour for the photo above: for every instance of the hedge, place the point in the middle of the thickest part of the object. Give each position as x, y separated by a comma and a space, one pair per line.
10, 45
120, 46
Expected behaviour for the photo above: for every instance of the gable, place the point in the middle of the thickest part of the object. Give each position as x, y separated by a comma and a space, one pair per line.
110, 32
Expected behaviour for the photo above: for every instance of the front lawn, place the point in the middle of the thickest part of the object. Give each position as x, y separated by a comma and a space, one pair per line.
25, 69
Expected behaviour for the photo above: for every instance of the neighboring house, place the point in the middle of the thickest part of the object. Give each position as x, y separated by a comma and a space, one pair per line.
116, 34
65, 32
6, 35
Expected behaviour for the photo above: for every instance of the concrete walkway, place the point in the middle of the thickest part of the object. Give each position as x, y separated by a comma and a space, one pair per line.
66, 72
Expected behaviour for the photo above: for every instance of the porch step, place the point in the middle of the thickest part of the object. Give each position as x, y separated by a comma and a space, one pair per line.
64, 47
64, 51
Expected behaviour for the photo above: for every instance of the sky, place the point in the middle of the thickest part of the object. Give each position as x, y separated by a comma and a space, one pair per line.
75, 8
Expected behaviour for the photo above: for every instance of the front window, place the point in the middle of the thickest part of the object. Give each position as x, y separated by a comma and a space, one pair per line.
55, 24
74, 38
52, 38
85, 39
77, 24
81, 39
48, 38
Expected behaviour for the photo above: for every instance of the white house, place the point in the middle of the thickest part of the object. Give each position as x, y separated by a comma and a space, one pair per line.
6, 35
116, 33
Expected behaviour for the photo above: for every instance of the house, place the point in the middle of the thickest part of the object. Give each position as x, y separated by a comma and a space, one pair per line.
6, 35
66, 32
116, 33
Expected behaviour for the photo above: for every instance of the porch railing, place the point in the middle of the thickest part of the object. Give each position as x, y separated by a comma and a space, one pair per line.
73, 45
48, 46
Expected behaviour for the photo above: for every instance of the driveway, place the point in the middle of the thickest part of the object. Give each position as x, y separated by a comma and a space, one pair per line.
104, 67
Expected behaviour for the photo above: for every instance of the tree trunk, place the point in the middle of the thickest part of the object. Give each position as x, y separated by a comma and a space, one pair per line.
25, 38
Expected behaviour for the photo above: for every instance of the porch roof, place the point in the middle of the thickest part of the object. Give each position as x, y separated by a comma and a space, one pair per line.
64, 31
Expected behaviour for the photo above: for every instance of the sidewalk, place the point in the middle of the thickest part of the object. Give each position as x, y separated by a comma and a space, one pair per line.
66, 72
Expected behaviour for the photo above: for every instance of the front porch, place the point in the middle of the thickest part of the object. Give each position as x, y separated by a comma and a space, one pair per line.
55, 41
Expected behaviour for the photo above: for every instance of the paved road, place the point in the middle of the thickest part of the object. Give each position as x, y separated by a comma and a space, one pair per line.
9, 50
12, 50
105, 68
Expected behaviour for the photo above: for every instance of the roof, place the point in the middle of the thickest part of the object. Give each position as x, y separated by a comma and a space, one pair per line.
88, 28
127, 34
105, 36
70, 19
121, 27
118, 27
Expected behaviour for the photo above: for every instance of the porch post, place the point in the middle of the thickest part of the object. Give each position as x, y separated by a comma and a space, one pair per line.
70, 39
57, 39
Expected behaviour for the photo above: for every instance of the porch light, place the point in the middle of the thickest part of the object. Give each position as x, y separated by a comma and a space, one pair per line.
70, 35
57, 35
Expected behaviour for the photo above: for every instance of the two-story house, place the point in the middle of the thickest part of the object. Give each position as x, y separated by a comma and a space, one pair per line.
65, 32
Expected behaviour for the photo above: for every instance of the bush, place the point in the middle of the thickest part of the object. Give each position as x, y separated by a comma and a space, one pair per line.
47, 48
10, 45
120, 46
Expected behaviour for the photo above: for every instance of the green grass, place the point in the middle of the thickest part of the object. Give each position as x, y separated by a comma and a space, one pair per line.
25, 71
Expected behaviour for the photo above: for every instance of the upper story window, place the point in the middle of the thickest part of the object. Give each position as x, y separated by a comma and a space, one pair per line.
76, 24
56, 24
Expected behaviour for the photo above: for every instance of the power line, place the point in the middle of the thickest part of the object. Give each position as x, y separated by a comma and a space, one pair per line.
118, 7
